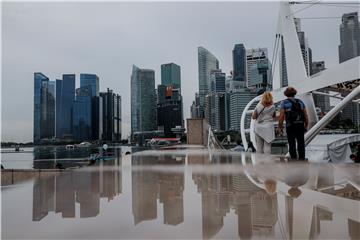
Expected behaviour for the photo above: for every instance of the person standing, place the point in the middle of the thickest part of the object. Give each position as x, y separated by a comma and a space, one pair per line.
264, 115
293, 110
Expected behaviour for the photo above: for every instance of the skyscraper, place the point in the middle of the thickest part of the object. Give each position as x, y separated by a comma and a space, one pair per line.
258, 69
90, 80
143, 100
349, 48
110, 114
44, 107
349, 37
169, 100
239, 62
82, 114
305, 49
65, 96
217, 79
171, 75
195, 107
206, 62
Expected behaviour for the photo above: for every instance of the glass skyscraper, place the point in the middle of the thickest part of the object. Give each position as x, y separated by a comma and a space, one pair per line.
206, 62
82, 114
44, 108
91, 80
239, 62
143, 100
170, 75
110, 116
65, 96
349, 37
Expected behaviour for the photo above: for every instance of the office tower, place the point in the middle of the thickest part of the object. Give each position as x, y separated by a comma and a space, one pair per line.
44, 107
323, 102
169, 110
349, 37
305, 50
91, 80
232, 85
171, 75
195, 107
237, 102
206, 62
215, 110
143, 100
217, 80
65, 96
239, 62
258, 69
82, 118
282, 66
110, 115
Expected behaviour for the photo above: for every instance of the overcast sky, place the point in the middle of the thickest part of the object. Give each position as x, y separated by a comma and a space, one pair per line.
107, 38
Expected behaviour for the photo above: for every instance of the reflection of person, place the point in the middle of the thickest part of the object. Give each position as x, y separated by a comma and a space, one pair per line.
270, 186
239, 147
264, 114
294, 111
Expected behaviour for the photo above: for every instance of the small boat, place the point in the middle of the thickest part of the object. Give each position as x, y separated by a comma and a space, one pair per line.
84, 145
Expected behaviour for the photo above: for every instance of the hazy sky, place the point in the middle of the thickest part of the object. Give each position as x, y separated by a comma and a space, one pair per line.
107, 38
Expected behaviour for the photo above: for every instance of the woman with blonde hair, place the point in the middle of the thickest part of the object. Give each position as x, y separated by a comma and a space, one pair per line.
264, 114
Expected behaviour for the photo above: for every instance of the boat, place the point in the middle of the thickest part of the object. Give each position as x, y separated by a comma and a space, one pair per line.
69, 147
83, 145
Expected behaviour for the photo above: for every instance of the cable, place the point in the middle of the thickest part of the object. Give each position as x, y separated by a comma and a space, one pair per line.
302, 9
320, 18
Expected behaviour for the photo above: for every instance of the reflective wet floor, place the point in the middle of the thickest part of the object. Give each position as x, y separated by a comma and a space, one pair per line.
187, 194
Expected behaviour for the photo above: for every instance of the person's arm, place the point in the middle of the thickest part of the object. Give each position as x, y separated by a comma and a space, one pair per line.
306, 120
254, 114
281, 118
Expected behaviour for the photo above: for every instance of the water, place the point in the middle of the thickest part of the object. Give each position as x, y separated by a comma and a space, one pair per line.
188, 194
46, 157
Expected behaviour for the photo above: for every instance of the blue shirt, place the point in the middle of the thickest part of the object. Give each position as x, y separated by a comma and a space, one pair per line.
287, 104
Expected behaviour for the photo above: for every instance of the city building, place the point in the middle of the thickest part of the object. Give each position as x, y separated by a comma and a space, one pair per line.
237, 102
91, 80
169, 101
258, 67
232, 85
349, 37
215, 110
304, 45
195, 107
44, 108
82, 117
110, 114
239, 62
206, 62
322, 102
65, 96
143, 100
259, 75
169, 110
349, 48
171, 75
282, 66
217, 80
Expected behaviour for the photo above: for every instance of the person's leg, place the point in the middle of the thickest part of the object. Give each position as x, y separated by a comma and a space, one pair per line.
291, 140
259, 144
267, 147
300, 139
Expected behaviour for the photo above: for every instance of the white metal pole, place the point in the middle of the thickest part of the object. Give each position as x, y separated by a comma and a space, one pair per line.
309, 136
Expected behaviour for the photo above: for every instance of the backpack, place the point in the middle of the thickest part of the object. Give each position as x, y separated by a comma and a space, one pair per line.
296, 114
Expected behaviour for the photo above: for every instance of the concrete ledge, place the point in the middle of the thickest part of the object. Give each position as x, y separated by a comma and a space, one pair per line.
16, 176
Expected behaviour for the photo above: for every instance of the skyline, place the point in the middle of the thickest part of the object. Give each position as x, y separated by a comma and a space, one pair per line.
24, 45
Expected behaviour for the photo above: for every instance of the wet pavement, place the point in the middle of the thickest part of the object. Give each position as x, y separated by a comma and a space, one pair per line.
186, 194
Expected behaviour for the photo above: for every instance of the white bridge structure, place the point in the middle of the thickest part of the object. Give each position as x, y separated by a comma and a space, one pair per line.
347, 71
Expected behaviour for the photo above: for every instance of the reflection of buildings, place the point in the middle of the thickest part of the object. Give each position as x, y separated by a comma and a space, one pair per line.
256, 210
60, 193
149, 186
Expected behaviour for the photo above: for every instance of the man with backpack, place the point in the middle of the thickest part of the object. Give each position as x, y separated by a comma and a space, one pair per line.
293, 110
